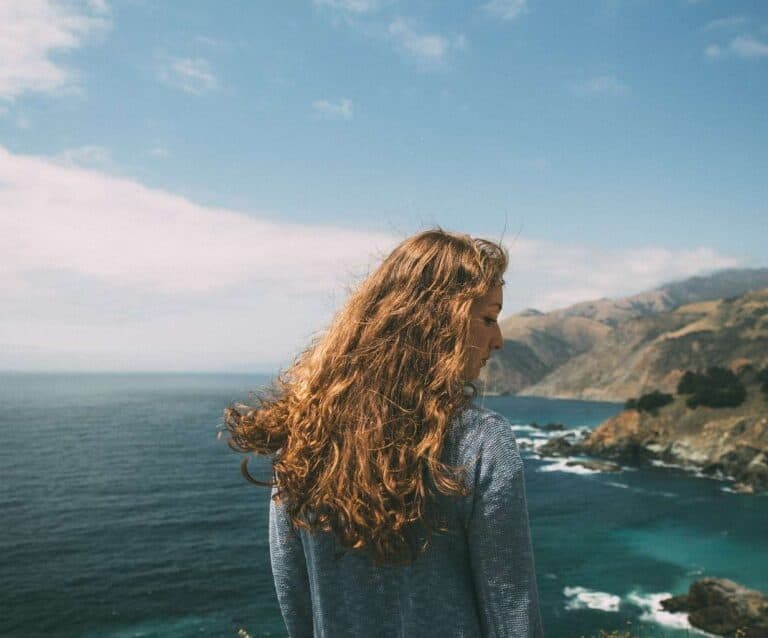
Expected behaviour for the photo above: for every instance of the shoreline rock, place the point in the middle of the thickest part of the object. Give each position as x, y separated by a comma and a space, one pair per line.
723, 607
731, 443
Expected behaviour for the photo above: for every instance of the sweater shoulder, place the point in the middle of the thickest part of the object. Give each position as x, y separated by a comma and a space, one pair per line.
476, 429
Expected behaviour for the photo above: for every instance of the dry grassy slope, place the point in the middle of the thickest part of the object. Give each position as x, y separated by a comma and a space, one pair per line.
537, 344
647, 353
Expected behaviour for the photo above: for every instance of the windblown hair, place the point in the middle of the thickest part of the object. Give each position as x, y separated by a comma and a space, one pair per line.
357, 423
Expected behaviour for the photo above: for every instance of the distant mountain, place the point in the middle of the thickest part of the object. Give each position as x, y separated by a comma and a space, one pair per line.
614, 349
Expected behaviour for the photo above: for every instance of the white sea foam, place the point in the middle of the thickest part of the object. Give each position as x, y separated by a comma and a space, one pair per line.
654, 612
560, 466
640, 490
659, 463
649, 604
583, 598
695, 471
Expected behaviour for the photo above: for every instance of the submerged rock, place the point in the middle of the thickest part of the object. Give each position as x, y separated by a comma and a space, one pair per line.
549, 427
558, 446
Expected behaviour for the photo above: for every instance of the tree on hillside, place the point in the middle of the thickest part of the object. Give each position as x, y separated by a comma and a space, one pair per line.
762, 378
716, 388
650, 402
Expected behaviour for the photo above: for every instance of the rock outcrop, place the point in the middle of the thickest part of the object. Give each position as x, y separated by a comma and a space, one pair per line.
726, 442
723, 607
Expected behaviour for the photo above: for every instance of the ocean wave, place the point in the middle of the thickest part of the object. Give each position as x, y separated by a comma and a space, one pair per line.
652, 611
561, 466
583, 598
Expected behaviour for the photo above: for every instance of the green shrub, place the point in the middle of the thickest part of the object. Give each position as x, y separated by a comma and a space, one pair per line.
716, 388
653, 400
649, 402
762, 378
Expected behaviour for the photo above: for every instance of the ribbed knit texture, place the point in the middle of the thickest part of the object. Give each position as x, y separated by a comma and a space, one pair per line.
477, 580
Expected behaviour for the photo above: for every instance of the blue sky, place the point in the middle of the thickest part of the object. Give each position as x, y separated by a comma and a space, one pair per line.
195, 185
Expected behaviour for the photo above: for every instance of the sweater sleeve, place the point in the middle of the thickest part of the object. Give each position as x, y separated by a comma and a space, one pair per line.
289, 570
501, 553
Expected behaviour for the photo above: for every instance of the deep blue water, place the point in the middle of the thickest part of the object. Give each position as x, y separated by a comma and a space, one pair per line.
123, 515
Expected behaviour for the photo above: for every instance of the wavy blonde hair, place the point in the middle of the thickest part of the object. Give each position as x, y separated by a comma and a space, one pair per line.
357, 423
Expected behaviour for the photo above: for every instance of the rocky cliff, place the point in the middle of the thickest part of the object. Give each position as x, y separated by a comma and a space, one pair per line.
727, 442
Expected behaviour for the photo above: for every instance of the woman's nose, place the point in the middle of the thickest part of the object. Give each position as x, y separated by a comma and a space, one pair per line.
498, 340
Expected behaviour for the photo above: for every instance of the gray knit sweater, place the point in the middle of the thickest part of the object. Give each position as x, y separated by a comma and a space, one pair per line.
478, 580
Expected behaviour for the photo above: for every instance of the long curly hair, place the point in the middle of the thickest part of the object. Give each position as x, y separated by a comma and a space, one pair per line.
357, 423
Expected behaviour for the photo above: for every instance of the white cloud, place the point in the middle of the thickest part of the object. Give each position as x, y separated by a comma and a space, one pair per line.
102, 272
99, 6
428, 49
506, 9
31, 32
159, 151
341, 110
350, 6
600, 85
725, 23
743, 46
748, 47
714, 51
191, 75
102, 269
547, 275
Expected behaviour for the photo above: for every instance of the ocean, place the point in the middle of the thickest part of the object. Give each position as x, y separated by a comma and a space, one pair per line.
123, 515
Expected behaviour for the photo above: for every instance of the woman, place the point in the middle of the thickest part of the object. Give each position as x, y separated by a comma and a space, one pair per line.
398, 507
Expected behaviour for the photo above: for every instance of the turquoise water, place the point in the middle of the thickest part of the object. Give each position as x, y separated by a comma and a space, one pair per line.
124, 516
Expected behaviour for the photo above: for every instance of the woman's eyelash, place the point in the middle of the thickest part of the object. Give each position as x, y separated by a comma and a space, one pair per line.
490, 320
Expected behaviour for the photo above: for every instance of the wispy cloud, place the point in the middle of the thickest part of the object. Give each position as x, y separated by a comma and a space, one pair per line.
350, 6
599, 85
159, 151
85, 156
340, 110
99, 6
506, 9
191, 75
32, 32
745, 47
375, 21
749, 47
428, 49
731, 22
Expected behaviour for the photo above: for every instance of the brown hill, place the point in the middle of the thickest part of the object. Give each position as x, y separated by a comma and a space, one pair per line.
648, 353
611, 349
